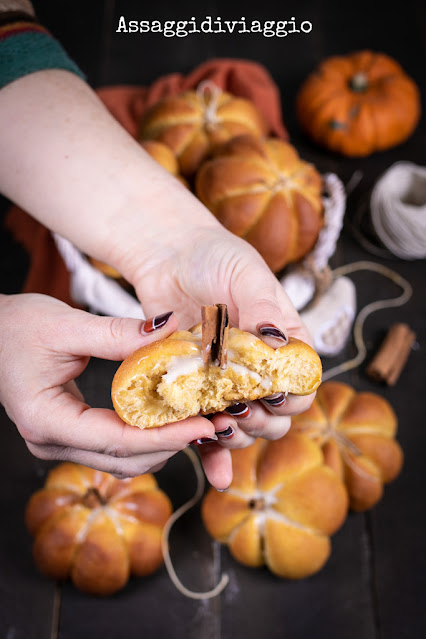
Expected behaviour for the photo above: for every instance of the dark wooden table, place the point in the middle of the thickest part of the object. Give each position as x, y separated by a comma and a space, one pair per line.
374, 585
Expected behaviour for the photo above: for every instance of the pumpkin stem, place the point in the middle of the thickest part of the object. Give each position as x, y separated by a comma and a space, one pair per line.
359, 82
93, 498
257, 503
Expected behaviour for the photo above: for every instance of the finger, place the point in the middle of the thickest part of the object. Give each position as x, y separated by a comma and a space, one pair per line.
71, 387
217, 464
256, 421
119, 467
68, 422
113, 338
228, 432
280, 404
261, 301
154, 469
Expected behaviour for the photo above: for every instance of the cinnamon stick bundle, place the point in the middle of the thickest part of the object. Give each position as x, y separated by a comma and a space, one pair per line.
386, 366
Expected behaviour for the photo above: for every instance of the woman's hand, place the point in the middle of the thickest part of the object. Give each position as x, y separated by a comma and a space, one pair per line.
213, 266
44, 346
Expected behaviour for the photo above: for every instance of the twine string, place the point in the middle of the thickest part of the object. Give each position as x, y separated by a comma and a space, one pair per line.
166, 534
365, 265
343, 442
209, 94
397, 209
357, 469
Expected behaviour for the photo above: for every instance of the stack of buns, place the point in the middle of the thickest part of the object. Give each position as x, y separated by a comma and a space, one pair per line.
217, 145
194, 123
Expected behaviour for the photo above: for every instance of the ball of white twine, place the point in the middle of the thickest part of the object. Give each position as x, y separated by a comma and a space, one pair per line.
398, 210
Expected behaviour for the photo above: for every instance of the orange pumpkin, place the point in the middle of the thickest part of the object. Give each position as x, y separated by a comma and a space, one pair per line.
193, 123
97, 529
263, 192
281, 508
356, 432
358, 103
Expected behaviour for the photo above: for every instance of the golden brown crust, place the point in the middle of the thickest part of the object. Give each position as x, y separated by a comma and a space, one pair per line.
262, 191
97, 529
281, 508
356, 431
193, 128
167, 381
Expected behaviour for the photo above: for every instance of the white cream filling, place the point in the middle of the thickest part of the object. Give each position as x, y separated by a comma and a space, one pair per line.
181, 366
243, 370
186, 365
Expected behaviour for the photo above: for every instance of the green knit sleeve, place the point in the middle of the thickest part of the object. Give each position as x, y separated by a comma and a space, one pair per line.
26, 47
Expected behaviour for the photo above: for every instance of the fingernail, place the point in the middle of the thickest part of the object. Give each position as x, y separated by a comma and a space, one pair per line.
226, 434
222, 490
277, 399
205, 440
154, 323
240, 410
269, 330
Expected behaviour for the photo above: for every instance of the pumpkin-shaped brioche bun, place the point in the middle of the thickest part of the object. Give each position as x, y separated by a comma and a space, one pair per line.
263, 192
357, 434
281, 508
166, 381
96, 529
193, 123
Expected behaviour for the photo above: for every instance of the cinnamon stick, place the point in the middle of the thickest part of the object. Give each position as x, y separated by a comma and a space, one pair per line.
386, 366
214, 334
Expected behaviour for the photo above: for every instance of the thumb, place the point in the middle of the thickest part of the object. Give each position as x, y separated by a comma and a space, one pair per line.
264, 309
115, 338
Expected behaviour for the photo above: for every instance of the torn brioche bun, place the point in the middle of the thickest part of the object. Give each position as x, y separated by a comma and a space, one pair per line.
167, 381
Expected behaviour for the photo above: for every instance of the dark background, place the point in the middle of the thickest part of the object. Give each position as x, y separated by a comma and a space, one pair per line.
374, 585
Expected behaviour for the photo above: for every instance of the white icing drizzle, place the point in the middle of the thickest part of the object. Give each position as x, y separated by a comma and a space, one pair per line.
115, 519
243, 370
274, 515
267, 512
187, 365
82, 533
266, 383
269, 498
181, 366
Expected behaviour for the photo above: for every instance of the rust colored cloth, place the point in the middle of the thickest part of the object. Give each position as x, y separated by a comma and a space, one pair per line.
243, 78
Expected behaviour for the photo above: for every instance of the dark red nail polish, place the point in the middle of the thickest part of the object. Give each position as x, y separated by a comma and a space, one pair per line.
205, 440
277, 399
154, 323
226, 434
269, 330
240, 410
